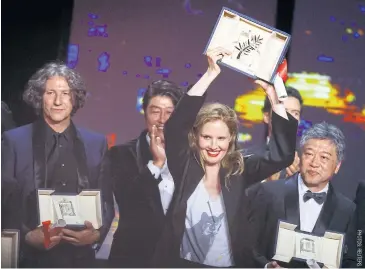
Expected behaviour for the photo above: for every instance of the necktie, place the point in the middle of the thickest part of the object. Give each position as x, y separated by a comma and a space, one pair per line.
318, 197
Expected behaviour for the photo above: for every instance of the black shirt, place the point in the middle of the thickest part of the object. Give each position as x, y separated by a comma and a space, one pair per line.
61, 164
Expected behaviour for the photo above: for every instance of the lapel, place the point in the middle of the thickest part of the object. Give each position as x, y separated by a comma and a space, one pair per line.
142, 152
231, 195
143, 155
291, 200
193, 174
83, 164
39, 158
326, 214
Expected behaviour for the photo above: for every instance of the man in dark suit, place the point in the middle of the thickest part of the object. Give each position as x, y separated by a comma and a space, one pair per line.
306, 199
53, 153
293, 105
360, 231
142, 183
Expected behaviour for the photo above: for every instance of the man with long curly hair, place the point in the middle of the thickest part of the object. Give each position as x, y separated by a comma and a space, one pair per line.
53, 153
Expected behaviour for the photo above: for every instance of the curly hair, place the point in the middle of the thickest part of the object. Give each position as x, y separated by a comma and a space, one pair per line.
233, 160
34, 90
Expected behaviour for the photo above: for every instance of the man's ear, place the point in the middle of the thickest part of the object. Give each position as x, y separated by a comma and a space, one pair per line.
267, 117
338, 167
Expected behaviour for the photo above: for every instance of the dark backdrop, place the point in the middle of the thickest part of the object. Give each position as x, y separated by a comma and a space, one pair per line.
33, 32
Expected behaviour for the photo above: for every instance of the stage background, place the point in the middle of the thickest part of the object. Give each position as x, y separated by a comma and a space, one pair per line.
120, 47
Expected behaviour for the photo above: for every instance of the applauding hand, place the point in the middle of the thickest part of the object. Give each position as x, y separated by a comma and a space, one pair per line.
157, 146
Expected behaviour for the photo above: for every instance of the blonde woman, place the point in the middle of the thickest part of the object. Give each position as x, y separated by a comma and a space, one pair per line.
205, 226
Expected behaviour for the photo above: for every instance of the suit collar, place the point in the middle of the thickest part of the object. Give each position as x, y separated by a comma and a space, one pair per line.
69, 133
39, 156
80, 152
143, 153
325, 217
292, 211
291, 200
231, 193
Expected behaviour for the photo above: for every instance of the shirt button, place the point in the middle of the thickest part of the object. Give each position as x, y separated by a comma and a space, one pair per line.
63, 184
63, 164
60, 146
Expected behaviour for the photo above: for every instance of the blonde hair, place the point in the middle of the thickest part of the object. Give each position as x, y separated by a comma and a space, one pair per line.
233, 160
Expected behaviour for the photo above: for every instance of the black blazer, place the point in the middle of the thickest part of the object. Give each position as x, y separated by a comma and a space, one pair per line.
279, 200
24, 164
11, 206
141, 215
187, 173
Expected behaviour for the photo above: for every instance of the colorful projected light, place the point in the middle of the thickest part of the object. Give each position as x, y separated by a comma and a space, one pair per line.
316, 90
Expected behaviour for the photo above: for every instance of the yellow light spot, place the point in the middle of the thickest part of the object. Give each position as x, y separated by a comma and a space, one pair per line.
350, 98
349, 30
244, 137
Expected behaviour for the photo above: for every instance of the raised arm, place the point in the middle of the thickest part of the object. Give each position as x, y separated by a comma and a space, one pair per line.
182, 120
281, 150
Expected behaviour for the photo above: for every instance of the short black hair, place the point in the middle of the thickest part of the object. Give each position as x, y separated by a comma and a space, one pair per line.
291, 93
162, 88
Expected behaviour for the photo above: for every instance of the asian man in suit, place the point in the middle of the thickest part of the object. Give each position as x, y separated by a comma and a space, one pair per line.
306, 199
142, 184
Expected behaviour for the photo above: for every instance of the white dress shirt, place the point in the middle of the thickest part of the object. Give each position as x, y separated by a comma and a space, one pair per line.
310, 210
166, 186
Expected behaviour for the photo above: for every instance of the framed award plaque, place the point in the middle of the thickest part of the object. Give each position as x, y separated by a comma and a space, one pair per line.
257, 48
71, 209
9, 248
297, 247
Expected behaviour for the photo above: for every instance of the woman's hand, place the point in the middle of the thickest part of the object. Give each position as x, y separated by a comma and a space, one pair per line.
213, 71
276, 102
213, 56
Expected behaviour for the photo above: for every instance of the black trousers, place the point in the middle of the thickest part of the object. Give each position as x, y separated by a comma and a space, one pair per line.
62, 256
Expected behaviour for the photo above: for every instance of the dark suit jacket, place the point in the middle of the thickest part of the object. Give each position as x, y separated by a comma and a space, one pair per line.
141, 215
279, 200
259, 150
11, 209
187, 173
25, 164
